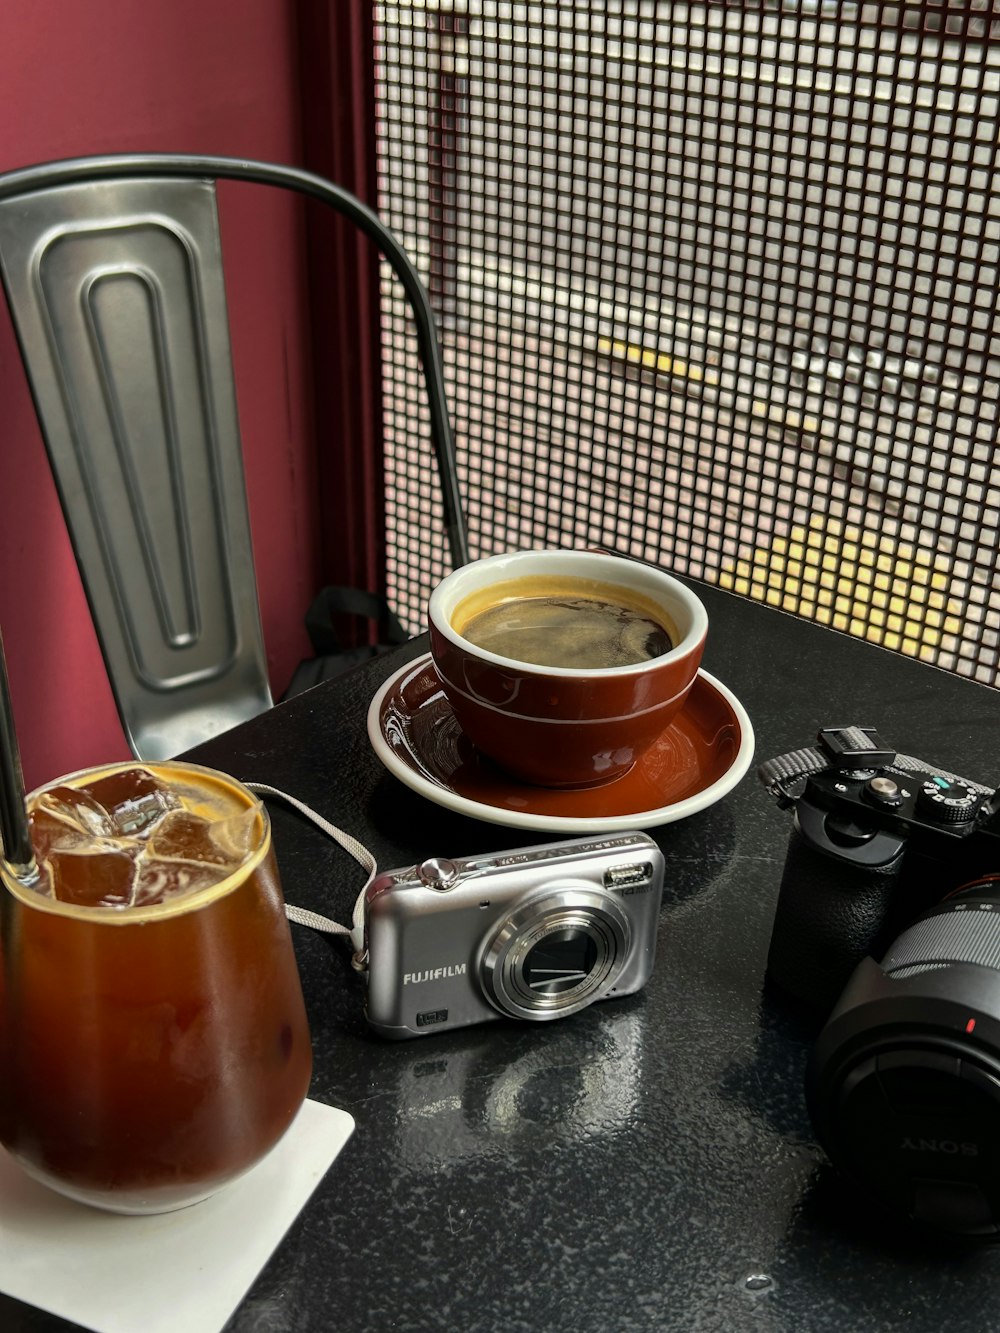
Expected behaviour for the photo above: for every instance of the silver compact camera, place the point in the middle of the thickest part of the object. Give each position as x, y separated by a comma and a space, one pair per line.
537, 933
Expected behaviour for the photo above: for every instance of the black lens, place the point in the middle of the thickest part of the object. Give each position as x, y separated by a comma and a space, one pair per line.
560, 962
904, 1082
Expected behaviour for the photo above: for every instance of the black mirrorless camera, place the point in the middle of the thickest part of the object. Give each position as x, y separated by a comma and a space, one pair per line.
889, 912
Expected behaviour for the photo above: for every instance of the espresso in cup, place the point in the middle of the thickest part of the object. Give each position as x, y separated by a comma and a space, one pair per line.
565, 622
590, 695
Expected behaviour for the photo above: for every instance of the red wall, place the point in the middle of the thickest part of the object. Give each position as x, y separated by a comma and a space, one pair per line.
128, 75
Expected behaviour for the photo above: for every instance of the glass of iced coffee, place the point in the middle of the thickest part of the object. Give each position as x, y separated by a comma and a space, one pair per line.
153, 1036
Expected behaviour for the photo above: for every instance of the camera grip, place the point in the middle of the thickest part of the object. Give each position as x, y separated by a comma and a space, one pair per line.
830, 915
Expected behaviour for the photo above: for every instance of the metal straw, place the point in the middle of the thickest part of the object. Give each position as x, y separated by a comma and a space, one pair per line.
14, 834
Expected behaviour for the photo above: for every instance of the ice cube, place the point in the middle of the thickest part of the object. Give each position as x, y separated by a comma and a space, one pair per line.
161, 878
100, 875
223, 842
181, 833
210, 801
64, 816
134, 798
48, 831
237, 836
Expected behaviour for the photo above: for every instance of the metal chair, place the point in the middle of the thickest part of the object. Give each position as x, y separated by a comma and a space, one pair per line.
112, 268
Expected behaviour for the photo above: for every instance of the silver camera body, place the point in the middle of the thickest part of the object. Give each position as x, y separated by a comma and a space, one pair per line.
537, 933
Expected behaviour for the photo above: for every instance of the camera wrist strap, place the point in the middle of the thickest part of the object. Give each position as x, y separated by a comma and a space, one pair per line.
779, 775
302, 916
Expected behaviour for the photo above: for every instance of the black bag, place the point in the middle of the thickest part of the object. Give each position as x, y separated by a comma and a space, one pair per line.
331, 657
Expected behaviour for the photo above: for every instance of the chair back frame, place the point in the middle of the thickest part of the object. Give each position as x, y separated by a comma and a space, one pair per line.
112, 268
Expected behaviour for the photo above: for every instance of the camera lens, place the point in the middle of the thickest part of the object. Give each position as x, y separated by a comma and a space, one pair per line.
561, 960
904, 1081
559, 951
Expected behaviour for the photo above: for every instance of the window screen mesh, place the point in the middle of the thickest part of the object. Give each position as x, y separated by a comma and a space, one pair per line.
717, 286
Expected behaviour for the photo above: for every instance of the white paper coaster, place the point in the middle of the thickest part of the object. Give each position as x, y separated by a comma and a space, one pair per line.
183, 1270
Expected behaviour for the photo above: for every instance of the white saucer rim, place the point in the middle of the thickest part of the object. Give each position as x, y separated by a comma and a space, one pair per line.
640, 819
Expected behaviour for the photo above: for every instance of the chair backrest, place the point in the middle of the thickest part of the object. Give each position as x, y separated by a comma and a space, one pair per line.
113, 272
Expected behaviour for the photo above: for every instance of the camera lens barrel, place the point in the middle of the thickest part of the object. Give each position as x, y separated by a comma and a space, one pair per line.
904, 1081
556, 953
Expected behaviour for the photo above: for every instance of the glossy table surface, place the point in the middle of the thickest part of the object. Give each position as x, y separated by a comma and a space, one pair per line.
647, 1164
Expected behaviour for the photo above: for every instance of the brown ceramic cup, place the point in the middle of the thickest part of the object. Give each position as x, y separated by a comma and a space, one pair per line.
557, 726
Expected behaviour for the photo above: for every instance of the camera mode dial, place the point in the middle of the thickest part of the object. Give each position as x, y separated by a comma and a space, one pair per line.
947, 802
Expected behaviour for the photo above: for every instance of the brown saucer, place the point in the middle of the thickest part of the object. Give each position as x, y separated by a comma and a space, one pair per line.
698, 759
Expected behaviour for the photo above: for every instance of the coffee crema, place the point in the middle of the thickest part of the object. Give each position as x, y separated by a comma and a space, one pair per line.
574, 623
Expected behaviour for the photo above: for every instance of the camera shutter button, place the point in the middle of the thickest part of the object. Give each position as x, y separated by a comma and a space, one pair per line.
437, 873
883, 791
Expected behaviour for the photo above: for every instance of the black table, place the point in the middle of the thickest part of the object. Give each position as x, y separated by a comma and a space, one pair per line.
647, 1164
